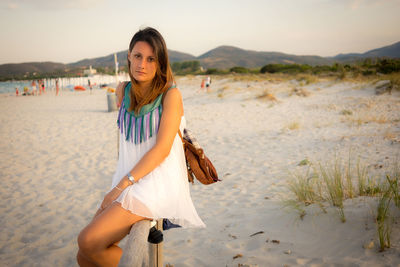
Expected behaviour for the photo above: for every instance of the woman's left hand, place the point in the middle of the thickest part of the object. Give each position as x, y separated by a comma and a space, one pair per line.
109, 198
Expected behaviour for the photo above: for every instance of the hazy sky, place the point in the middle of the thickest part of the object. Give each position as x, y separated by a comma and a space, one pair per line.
71, 30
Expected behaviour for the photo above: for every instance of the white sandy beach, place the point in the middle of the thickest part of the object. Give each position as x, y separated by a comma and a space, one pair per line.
58, 155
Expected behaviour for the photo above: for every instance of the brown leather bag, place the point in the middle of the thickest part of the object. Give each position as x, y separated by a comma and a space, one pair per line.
198, 164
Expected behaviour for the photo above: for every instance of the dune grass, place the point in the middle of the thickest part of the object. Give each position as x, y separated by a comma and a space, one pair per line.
384, 220
384, 217
293, 125
304, 188
335, 182
334, 185
307, 78
266, 95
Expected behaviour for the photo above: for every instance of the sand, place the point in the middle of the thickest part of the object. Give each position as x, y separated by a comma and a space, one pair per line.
58, 155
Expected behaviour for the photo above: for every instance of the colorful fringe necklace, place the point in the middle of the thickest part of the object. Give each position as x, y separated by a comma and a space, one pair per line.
139, 128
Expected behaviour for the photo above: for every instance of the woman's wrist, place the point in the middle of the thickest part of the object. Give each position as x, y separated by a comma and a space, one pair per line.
131, 179
124, 183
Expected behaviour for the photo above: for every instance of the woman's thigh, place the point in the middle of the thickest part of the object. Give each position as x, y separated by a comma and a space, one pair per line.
107, 228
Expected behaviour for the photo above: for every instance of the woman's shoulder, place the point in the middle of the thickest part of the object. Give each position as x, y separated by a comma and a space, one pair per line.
173, 100
120, 92
173, 94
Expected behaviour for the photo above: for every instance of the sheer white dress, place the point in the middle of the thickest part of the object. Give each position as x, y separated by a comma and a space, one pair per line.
164, 192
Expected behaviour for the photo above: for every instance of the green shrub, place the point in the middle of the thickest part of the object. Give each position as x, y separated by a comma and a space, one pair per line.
387, 66
239, 70
368, 72
185, 67
212, 71
285, 68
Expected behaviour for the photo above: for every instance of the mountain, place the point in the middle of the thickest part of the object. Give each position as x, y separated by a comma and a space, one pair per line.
9, 70
224, 57
108, 61
18, 70
390, 51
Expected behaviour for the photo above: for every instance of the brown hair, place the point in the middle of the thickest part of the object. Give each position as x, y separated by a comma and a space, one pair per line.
163, 78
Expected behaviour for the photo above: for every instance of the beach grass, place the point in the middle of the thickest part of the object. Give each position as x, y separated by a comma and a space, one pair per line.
293, 125
367, 184
334, 185
335, 182
296, 206
303, 187
267, 96
307, 78
384, 220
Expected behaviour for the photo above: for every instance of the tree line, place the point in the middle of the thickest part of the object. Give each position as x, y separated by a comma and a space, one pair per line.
365, 67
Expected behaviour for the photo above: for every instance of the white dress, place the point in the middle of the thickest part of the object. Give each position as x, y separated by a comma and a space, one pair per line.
164, 192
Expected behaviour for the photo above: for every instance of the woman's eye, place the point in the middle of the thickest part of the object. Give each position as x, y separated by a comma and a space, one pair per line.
137, 56
151, 59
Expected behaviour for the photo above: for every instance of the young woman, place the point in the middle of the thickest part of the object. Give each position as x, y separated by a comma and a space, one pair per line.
151, 178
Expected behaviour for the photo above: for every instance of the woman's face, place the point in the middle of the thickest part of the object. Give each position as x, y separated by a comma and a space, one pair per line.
143, 62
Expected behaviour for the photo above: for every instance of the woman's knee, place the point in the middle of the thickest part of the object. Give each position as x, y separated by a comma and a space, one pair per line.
87, 242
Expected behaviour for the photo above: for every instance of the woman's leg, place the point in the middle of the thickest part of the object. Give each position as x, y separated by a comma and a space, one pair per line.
97, 240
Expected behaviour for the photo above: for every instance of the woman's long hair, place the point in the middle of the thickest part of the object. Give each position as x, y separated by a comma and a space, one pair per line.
163, 78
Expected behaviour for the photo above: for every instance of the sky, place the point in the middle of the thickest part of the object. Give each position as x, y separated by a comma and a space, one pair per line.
72, 30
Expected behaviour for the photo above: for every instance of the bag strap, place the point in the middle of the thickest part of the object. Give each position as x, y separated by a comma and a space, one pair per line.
180, 135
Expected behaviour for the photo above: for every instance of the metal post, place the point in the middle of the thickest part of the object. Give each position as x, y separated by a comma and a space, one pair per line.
156, 250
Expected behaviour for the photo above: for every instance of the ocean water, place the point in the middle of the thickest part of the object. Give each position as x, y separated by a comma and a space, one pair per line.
9, 87
65, 83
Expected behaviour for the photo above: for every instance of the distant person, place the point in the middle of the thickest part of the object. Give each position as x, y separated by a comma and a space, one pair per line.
16, 91
151, 180
202, 84
90, 86
208, 83
43, 87
57, 87
26, 91
40, 87
33, 84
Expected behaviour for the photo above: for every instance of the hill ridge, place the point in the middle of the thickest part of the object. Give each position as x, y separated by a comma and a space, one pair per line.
222, 57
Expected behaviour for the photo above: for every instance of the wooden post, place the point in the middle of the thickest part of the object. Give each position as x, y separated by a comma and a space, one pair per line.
156, 250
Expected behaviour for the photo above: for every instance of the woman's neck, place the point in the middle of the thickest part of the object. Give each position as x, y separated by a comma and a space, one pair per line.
144, 87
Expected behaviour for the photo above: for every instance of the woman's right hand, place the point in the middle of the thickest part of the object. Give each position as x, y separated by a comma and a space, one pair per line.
109, 198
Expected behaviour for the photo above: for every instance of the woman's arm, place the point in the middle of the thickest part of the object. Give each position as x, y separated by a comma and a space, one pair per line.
169, 125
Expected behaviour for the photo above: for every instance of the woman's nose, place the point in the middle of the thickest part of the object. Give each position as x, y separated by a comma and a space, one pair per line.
142, 63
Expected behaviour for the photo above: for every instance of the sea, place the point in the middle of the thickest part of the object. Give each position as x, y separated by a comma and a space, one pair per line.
97, 81
9, 86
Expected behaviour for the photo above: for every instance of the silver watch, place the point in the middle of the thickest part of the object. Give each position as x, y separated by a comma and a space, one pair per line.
130, 178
